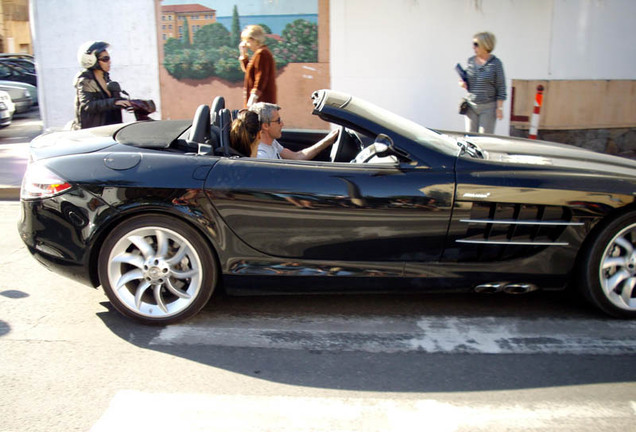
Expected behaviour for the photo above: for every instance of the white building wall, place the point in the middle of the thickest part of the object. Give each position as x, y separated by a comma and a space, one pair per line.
59, 27
396, 53
401, 53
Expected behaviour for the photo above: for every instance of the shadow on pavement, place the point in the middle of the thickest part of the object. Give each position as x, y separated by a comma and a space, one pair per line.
393, 372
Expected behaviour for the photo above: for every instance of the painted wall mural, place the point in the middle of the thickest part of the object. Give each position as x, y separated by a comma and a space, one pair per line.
199, 53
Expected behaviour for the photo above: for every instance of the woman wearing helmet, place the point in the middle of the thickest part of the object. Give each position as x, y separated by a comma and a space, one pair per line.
94, 103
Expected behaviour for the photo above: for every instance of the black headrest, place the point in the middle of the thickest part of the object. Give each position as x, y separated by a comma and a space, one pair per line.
225, 123
217, 105
200, 131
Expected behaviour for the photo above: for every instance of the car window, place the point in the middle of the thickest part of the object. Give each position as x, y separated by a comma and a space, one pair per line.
5, 71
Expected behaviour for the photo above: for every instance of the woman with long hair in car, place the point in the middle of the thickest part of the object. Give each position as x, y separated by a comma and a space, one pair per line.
245, 133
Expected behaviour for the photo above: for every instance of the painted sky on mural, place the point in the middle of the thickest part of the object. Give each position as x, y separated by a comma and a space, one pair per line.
255, 7
276, 14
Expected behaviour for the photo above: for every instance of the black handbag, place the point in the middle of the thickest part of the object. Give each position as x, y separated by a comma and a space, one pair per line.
463, 106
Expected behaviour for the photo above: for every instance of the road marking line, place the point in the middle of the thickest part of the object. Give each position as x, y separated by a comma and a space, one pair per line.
484, 335
134, 411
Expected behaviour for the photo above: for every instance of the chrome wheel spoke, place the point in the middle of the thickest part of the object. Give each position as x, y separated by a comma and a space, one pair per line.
129, 277
176, 291
181, 253
143, 245
628, 290
159, 298
184, 274
614, 262
141, 289
625, 244
132, 259
163, 243
612, 283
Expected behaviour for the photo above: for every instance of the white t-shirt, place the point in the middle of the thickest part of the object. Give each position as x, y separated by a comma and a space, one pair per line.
266, 151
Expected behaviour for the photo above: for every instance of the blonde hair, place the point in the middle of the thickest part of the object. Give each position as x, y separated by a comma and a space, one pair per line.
486, 40
255, 32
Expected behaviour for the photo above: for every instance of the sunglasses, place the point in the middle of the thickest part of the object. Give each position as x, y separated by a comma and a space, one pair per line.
104, 59
279, 121
475, 44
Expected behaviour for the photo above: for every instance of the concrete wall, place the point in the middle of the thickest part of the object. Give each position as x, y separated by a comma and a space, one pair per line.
59, 27
401, 53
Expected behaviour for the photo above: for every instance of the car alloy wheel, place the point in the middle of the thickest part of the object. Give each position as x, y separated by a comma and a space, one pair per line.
611, 268
157, 269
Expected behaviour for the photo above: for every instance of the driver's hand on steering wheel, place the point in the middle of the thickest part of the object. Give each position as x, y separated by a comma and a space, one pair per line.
332, 136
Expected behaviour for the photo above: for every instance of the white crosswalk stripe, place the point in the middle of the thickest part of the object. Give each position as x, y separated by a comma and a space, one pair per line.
221, 413
484, 335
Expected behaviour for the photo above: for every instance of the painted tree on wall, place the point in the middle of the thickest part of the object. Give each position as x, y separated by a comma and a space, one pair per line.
236, 27
214, 50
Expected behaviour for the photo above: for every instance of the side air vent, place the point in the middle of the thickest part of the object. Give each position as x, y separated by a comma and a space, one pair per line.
504, 231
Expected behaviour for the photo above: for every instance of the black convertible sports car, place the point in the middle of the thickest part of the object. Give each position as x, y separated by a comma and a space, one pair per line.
162, 213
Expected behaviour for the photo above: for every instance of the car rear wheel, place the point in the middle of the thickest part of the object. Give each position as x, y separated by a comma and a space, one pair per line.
157, 269
610, 268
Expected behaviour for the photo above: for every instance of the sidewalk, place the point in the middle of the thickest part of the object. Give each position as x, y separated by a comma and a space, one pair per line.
14, 152
13, 162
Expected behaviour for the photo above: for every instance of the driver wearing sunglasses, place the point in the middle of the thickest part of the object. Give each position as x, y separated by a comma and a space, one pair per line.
272, 129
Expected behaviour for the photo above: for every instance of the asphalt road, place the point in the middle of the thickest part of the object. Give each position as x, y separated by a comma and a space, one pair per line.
315, 363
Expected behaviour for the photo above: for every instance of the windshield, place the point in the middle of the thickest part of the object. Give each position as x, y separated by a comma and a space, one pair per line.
402, 126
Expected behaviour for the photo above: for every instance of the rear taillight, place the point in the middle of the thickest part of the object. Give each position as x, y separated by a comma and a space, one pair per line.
39, 182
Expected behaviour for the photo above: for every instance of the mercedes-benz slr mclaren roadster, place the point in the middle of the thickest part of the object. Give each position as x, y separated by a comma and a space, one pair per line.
162, 213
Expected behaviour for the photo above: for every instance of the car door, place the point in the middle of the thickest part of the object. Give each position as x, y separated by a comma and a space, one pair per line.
334, 211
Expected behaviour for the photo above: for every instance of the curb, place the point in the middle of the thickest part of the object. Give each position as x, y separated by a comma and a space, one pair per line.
9, 193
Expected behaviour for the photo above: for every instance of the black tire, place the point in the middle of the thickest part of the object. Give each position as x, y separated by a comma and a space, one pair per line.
609, 268
157, 269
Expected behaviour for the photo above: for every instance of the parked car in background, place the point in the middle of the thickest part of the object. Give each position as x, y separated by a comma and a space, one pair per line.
19, 96
7, 108
13, 72
33, 90
17, 56
27, 65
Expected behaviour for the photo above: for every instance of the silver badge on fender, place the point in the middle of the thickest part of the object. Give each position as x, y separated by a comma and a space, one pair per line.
476, 195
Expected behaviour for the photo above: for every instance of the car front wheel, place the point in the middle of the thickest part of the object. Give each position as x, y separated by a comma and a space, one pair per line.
157, 269
610, 268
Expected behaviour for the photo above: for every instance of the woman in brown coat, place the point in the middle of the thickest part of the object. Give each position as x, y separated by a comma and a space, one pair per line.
260, 70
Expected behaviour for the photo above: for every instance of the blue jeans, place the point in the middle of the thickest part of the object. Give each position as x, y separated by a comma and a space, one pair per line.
481, 117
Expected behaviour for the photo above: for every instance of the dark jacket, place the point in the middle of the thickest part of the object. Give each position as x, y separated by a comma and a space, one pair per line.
93, 106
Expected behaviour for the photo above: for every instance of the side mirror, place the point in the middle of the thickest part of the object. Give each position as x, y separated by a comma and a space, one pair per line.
385, 140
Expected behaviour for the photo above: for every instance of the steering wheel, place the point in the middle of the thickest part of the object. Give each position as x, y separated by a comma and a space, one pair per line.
347, 146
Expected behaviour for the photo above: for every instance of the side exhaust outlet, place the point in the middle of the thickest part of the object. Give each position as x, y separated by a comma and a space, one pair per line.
490, 288
506, 287
520, 288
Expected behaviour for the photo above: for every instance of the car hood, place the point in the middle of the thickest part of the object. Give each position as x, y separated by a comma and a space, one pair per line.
530, 152
65, 143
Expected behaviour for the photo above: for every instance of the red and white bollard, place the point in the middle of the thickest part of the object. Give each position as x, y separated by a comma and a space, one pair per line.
534, 122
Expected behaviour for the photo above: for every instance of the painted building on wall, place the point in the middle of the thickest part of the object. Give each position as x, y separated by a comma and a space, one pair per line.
175, 19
